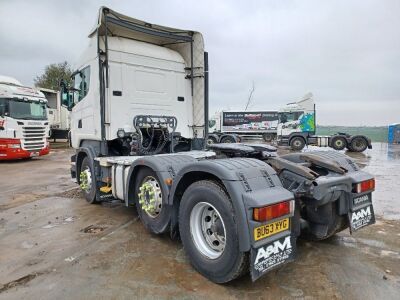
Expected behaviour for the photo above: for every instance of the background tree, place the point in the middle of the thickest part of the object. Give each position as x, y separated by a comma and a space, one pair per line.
53, 73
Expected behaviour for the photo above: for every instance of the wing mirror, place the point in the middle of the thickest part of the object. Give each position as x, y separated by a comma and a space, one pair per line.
67, 99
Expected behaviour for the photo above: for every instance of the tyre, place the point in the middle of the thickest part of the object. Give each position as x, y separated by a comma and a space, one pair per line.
150, 201
327, 212
358, 144
211, 140
268, 137
228, 139
209, 232
87, 181
338, 143
297, 143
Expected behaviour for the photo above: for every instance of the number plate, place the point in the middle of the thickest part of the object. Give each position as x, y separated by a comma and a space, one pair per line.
361, 217
33, 154
264, 231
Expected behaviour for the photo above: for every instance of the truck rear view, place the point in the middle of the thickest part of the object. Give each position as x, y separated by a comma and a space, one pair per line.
139, 106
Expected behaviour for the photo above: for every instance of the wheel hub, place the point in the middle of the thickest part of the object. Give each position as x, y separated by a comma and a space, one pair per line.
297, 143
150, 197
85, 179
339, 143
208, 230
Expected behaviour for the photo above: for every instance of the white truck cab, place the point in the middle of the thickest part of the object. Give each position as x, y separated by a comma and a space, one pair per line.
297, 117
129, 74
24, 126
297, 126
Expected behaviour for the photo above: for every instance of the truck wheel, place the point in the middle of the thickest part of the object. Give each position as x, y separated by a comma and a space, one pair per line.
87, 181
150, 201
211, 140
327, 212
268, 137
297, 143
358, 144
338, 143
228, 139
209, 232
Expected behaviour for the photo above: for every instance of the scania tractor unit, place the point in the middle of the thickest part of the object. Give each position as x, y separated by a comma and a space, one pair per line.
139, 122
293, 125
24, 127
297, 126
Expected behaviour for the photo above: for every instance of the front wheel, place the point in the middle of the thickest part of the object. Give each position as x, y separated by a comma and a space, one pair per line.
87, 181
297, 143
209, 232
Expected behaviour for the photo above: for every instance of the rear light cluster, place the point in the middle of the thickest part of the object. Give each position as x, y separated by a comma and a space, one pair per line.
364, 186
266, 213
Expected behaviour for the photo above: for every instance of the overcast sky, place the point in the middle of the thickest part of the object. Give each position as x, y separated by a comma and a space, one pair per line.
347, 53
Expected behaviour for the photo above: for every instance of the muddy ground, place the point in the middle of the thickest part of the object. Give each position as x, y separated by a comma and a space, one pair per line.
53, 245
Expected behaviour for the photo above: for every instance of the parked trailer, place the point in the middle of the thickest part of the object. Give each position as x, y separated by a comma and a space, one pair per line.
293, 125
237, 208
58, 115
229, 126
24, 126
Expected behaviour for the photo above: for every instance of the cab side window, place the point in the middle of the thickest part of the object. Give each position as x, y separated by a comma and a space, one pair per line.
81, 83
3, 108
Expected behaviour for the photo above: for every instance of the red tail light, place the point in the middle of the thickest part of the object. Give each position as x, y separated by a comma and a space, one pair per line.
364, 186
270, 212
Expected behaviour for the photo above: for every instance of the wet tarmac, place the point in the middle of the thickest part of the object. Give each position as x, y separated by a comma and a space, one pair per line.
53, 245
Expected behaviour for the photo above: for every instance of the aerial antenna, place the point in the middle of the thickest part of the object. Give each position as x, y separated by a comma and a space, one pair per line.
253, 88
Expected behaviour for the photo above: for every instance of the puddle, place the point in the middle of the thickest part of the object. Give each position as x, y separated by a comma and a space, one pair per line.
93, 229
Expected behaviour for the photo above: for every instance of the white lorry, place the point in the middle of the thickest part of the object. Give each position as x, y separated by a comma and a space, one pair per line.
297, 125
58, 115
24, 127
293, 125
224, 125
139, 103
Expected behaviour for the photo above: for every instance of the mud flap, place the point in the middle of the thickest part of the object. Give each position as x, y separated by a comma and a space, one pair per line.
361, 217
272, 255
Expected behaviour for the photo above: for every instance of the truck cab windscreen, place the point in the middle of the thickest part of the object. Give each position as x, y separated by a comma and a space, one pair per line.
285, 117
24, 110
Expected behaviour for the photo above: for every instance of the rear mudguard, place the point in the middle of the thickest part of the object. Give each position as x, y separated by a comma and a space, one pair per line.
330, 186
248, 182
